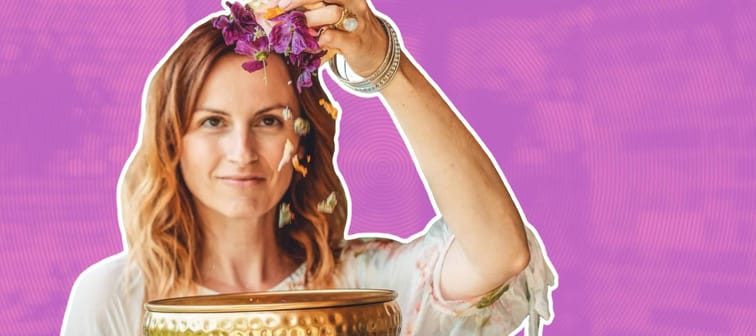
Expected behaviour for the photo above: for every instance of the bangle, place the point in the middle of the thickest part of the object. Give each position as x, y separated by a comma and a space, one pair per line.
379, 79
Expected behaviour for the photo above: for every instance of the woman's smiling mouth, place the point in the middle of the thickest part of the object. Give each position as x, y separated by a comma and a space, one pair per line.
243, 180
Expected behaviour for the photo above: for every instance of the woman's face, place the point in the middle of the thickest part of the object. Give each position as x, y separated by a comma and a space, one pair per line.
236, 140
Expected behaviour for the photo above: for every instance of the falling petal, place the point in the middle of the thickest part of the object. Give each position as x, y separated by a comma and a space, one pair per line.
301, 126
304, 80
298, 167
273, 12
288, 150
253, 66
327, 205
286, 113
329, 108
284, 215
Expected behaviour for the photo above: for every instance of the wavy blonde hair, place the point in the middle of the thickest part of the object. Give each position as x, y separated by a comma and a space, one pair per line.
161, 229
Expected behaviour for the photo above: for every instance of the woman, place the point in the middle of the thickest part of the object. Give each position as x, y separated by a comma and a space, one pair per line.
233, 187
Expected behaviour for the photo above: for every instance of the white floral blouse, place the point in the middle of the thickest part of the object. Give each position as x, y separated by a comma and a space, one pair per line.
365, 265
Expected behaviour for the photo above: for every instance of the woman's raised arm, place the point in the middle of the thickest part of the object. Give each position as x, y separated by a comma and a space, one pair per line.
491, 245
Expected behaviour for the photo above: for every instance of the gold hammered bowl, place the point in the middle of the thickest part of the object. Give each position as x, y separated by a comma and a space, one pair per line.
287, 313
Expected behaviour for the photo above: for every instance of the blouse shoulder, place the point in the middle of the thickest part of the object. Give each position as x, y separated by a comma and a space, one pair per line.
106, 298
367, 262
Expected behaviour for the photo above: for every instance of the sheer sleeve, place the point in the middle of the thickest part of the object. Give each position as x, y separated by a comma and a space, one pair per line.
102, 302
414, 270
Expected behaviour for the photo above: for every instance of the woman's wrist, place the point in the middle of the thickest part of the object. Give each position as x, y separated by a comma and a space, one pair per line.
384, 74
403, 81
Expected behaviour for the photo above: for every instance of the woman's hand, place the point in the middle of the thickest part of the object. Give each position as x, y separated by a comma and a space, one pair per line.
364, 48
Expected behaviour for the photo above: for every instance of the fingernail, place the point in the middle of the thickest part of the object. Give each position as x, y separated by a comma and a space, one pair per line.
284, 3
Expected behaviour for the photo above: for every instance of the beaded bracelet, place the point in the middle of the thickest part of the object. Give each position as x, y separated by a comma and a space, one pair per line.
385, 72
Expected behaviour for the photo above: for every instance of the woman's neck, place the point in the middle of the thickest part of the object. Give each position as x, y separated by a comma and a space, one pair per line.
242, 254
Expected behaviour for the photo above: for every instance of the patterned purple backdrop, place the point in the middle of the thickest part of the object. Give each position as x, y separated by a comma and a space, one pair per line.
626, 129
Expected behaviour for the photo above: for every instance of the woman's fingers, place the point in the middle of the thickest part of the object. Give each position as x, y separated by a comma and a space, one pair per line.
291, 4
361, 38
323, 16
335, 39
285, 4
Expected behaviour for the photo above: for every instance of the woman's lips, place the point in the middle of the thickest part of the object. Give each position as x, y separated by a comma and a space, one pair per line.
241, 181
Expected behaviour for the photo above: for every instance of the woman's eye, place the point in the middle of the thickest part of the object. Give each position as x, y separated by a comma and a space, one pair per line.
212, 122
270, 121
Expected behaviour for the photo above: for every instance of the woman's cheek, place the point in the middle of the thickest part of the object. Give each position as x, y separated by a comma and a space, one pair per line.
203, 152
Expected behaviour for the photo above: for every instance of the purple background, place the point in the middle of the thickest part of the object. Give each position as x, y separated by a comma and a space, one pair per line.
626, 129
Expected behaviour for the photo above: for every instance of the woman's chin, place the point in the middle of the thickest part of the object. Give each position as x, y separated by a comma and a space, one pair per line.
243, 212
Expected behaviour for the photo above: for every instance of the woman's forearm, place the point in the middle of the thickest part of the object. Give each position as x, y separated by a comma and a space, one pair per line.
464, 183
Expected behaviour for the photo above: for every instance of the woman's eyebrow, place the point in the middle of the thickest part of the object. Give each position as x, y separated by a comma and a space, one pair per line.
262, 110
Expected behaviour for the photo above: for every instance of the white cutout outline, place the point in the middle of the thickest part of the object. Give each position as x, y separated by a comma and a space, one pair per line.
347, 195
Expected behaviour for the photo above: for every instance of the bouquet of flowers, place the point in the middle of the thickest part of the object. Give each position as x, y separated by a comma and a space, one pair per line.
257, 29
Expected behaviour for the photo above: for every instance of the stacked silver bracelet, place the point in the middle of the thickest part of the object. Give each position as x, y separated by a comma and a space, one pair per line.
385, 72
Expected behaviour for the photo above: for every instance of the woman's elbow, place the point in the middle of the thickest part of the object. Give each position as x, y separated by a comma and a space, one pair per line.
518, 263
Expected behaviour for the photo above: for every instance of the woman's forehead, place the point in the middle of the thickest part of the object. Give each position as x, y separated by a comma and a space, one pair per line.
230, 88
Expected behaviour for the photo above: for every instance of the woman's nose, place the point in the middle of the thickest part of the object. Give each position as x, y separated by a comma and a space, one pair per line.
241, 147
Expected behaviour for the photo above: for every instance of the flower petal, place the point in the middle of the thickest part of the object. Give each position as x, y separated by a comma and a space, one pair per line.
253, 66
221, 22
279, 39
244, 48
297, 43
304, 80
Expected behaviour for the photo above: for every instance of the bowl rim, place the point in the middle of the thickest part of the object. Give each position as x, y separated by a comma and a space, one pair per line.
208, 303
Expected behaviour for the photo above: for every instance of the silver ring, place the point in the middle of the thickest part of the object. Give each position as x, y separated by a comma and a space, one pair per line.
347, 22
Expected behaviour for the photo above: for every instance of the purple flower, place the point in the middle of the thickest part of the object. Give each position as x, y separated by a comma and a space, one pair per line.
291, 35
308, 64
255, 45
234, 28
